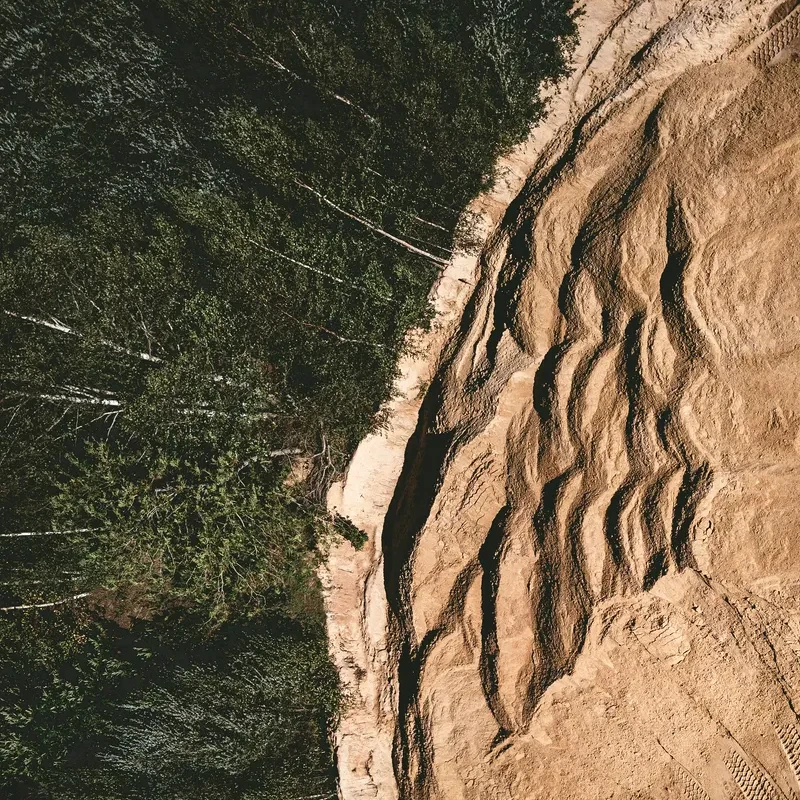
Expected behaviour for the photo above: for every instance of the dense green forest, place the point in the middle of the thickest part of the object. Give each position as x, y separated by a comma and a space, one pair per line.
218, 221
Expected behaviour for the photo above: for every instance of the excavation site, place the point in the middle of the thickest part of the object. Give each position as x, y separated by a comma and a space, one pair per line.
582, 579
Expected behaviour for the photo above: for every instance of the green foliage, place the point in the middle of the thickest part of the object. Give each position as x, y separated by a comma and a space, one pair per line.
95, 712
85, 86
252, 724
223, 535
350, 531
59, 675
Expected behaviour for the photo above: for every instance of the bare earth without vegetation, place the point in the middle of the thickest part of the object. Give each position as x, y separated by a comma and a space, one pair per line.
583, 575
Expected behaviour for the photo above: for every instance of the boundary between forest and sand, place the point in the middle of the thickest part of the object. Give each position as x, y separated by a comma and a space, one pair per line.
610, 33
355, 601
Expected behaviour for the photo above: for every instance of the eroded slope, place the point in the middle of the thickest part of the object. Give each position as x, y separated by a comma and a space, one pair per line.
592, 558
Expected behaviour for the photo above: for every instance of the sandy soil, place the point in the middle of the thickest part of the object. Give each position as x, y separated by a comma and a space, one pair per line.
583, 575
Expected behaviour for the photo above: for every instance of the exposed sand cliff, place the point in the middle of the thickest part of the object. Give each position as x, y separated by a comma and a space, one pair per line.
583, 579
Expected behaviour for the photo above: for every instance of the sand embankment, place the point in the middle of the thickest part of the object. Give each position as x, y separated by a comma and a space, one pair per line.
584, 559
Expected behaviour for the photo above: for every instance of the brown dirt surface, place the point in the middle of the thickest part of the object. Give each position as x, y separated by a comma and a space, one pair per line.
583, 574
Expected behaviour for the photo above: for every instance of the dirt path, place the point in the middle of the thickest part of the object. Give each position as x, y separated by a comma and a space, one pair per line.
550, 597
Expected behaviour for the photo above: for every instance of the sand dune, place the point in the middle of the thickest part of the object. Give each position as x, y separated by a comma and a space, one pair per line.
584, 579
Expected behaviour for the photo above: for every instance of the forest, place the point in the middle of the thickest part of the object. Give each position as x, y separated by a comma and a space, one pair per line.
218, 222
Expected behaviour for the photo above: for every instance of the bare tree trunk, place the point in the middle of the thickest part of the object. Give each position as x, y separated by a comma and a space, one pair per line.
315, 269
86, 400
375, 228
48, 533
81, 397
302, 265
277, 64
55, 325
432, 224
46, 605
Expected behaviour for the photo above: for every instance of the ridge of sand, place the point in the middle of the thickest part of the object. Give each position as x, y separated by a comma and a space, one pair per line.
582, 575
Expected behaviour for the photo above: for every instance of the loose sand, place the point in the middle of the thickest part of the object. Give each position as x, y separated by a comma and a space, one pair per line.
583, 575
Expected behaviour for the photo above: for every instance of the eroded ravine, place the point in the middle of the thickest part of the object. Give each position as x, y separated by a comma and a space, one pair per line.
592, 552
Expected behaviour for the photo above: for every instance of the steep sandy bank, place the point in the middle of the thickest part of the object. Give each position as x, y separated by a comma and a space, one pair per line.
583, 568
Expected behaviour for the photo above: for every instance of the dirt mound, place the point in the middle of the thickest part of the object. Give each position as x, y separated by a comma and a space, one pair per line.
591, 556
